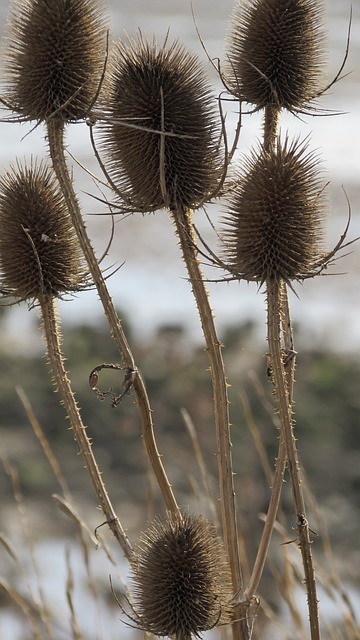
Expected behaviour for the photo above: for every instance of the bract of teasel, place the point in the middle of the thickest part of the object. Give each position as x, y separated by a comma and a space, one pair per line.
158, 126
39, 252
276, 53
181, 582
273, 226
54, 57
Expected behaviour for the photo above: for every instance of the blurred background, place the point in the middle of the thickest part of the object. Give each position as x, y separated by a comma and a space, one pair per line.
150, 240
155, 301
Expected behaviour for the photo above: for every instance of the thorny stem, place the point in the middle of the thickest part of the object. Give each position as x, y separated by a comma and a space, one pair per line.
275, 320
290, 353
278, 478
52, 336
283, 367
55, 132
184, 228
271, 119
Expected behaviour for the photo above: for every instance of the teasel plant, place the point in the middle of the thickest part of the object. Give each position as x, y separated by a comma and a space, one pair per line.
40, 261
162, 148
159, 142
58, 99
181, 583
181, 580
55, 80
273, 236
275, 211
162, 145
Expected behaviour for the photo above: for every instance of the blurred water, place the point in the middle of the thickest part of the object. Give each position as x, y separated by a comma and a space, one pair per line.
151, 286
44, 579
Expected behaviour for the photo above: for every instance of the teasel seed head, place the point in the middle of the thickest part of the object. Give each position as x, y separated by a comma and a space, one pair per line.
276, 52
55, 57
39, 252
153, 90
274, 224
181, 582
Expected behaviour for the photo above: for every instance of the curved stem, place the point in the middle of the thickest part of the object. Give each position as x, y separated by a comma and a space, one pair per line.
184, 228
55, 131
271, 515
52, 335
275, 319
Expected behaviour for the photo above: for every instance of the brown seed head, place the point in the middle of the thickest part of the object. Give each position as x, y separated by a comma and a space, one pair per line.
182, 586
39, 253
154, 90
276, 52
55, 57
275, 216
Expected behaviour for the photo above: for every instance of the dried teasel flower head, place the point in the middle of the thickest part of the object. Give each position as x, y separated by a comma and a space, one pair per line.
274, 223
276, 52
39, 252
55, 57
159, 131
181, 583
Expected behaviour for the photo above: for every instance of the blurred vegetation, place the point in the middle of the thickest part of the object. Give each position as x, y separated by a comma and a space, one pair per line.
327, 422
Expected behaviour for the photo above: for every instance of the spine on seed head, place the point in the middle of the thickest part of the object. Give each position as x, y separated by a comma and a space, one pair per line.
274, 220
39, 252
181, 582
55, 57
159, 132
276, 52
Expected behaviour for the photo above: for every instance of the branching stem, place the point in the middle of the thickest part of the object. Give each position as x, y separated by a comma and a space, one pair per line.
278, 478
275, 321
271, 515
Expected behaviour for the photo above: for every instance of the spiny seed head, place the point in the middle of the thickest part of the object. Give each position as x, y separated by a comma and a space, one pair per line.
181, 583
276, 52
153, 90
275, 215
55, 57
39, 253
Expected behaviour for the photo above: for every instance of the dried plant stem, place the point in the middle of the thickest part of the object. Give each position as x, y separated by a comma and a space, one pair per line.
55, 132
190, 428
271, 515
36, 608
271, 119
275, 319
184, 228
43, 442
52, 336
290, 353
277, 480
